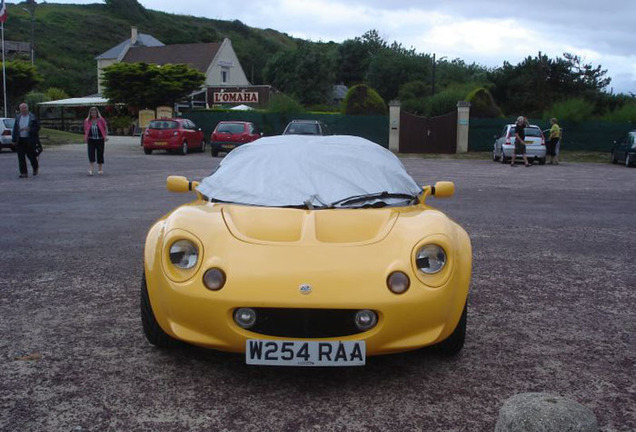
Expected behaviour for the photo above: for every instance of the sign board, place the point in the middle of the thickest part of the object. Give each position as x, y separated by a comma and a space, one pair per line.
232, 97
144, 117
226, 63
164, 112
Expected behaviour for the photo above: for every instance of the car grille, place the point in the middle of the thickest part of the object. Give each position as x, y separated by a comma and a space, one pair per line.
305, 323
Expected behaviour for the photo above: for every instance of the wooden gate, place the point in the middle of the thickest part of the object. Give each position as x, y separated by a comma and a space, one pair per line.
428, 135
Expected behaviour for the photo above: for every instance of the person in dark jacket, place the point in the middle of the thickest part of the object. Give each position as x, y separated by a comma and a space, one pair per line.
26, 138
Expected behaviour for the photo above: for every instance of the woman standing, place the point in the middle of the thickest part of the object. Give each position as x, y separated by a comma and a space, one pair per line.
553, 143
95, 135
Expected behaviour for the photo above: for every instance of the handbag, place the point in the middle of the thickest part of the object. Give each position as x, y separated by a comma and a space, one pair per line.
38, 148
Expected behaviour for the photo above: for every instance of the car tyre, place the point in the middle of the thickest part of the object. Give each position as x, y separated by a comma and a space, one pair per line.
214, 152
495, 158
147, 151
184, 149
504, 159
453, 344
542, 161
153, 331
203, 146
628, 161
613, 158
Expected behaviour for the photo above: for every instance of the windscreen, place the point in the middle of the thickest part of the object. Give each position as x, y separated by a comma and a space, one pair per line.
311, 172
231, 128
530, 131
9, 123
163, 124
303, 129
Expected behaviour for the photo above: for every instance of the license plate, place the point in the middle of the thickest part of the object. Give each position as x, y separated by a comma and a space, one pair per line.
301, 353
160, 143
529, 142
227, 146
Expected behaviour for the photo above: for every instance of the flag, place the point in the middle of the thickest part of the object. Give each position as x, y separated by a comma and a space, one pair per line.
3, 12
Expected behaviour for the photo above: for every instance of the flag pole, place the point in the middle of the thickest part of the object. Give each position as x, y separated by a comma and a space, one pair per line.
4, 75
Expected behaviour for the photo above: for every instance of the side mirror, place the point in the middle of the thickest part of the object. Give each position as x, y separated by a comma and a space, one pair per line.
180, 184
443, 189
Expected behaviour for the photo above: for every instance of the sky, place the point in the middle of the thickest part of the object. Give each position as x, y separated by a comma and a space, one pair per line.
486, 32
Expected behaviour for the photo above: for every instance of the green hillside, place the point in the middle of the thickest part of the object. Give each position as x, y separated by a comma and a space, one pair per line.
69, 37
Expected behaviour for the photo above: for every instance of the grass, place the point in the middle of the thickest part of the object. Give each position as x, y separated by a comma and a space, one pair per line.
52, 137
565, 156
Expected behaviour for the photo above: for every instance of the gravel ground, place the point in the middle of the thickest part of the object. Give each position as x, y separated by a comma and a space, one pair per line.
551, 308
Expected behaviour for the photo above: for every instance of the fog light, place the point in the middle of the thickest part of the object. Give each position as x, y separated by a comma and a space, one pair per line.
398, 282
245, 317
214, 279
366, 319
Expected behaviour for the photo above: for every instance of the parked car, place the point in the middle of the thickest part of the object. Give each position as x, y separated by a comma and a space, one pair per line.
624, 150
505, 145
307, 251
174, 135
306, 127
6, 128
229, 135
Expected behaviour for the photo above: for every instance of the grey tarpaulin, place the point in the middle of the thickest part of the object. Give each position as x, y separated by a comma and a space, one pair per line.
293, 170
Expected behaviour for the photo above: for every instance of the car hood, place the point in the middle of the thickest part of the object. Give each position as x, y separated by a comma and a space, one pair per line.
276, 225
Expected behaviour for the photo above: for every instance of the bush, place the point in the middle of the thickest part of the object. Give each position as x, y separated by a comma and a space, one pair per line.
363, 100
446, 101
575, 110
55, 93
280, 103
482, 104
626, 113
34, 98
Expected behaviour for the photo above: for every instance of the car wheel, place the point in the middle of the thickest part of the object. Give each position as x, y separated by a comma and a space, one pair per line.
184, 148
154, 333
542, 161
13, 149
453, 344
495, 158
613, 158
203, 145
504, 159
214, 152
628, 161
148, 151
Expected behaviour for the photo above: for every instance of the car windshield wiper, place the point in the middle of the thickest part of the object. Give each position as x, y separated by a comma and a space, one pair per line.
371, 197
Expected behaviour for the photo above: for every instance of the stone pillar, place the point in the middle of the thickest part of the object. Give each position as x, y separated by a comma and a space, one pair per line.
394, 126
463, 115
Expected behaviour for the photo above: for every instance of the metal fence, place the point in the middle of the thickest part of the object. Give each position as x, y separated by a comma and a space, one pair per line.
593, 135
373, 128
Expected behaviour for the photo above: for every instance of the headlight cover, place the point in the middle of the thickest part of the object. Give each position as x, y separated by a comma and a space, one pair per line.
184, 254
430, 259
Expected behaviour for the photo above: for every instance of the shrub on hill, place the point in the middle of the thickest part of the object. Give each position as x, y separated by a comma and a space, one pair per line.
363, 100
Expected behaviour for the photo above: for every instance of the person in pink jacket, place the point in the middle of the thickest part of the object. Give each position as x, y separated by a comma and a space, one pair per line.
95, 135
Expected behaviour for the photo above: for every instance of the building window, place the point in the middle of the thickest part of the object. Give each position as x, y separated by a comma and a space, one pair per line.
225, 75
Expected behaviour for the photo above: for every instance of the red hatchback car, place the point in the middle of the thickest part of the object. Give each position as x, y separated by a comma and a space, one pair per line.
230, 134
180, 135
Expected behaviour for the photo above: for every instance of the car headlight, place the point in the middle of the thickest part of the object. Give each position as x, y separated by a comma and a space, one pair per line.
184, 254
430, 259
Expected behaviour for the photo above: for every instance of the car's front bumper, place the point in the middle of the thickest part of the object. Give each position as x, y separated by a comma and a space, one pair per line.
265, 276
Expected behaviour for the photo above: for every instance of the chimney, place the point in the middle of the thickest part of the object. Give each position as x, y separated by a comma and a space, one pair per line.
133, 35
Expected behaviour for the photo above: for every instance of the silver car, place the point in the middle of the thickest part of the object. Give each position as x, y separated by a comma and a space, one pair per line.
6, 128
504, 145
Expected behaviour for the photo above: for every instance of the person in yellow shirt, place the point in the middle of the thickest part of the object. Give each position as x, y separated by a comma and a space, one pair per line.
553, 143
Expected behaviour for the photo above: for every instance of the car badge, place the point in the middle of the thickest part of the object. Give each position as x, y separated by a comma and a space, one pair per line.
305, 289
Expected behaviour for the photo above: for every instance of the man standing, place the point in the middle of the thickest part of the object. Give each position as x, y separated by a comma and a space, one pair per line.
26, 137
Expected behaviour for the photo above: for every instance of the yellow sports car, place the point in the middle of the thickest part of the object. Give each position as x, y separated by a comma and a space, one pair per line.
307, 251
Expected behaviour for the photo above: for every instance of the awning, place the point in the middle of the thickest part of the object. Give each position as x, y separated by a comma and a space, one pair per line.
83, 101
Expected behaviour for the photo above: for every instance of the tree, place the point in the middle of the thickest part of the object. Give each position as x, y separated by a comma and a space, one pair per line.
22, 77
305, 73
354, 56
394, 66
145, 85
